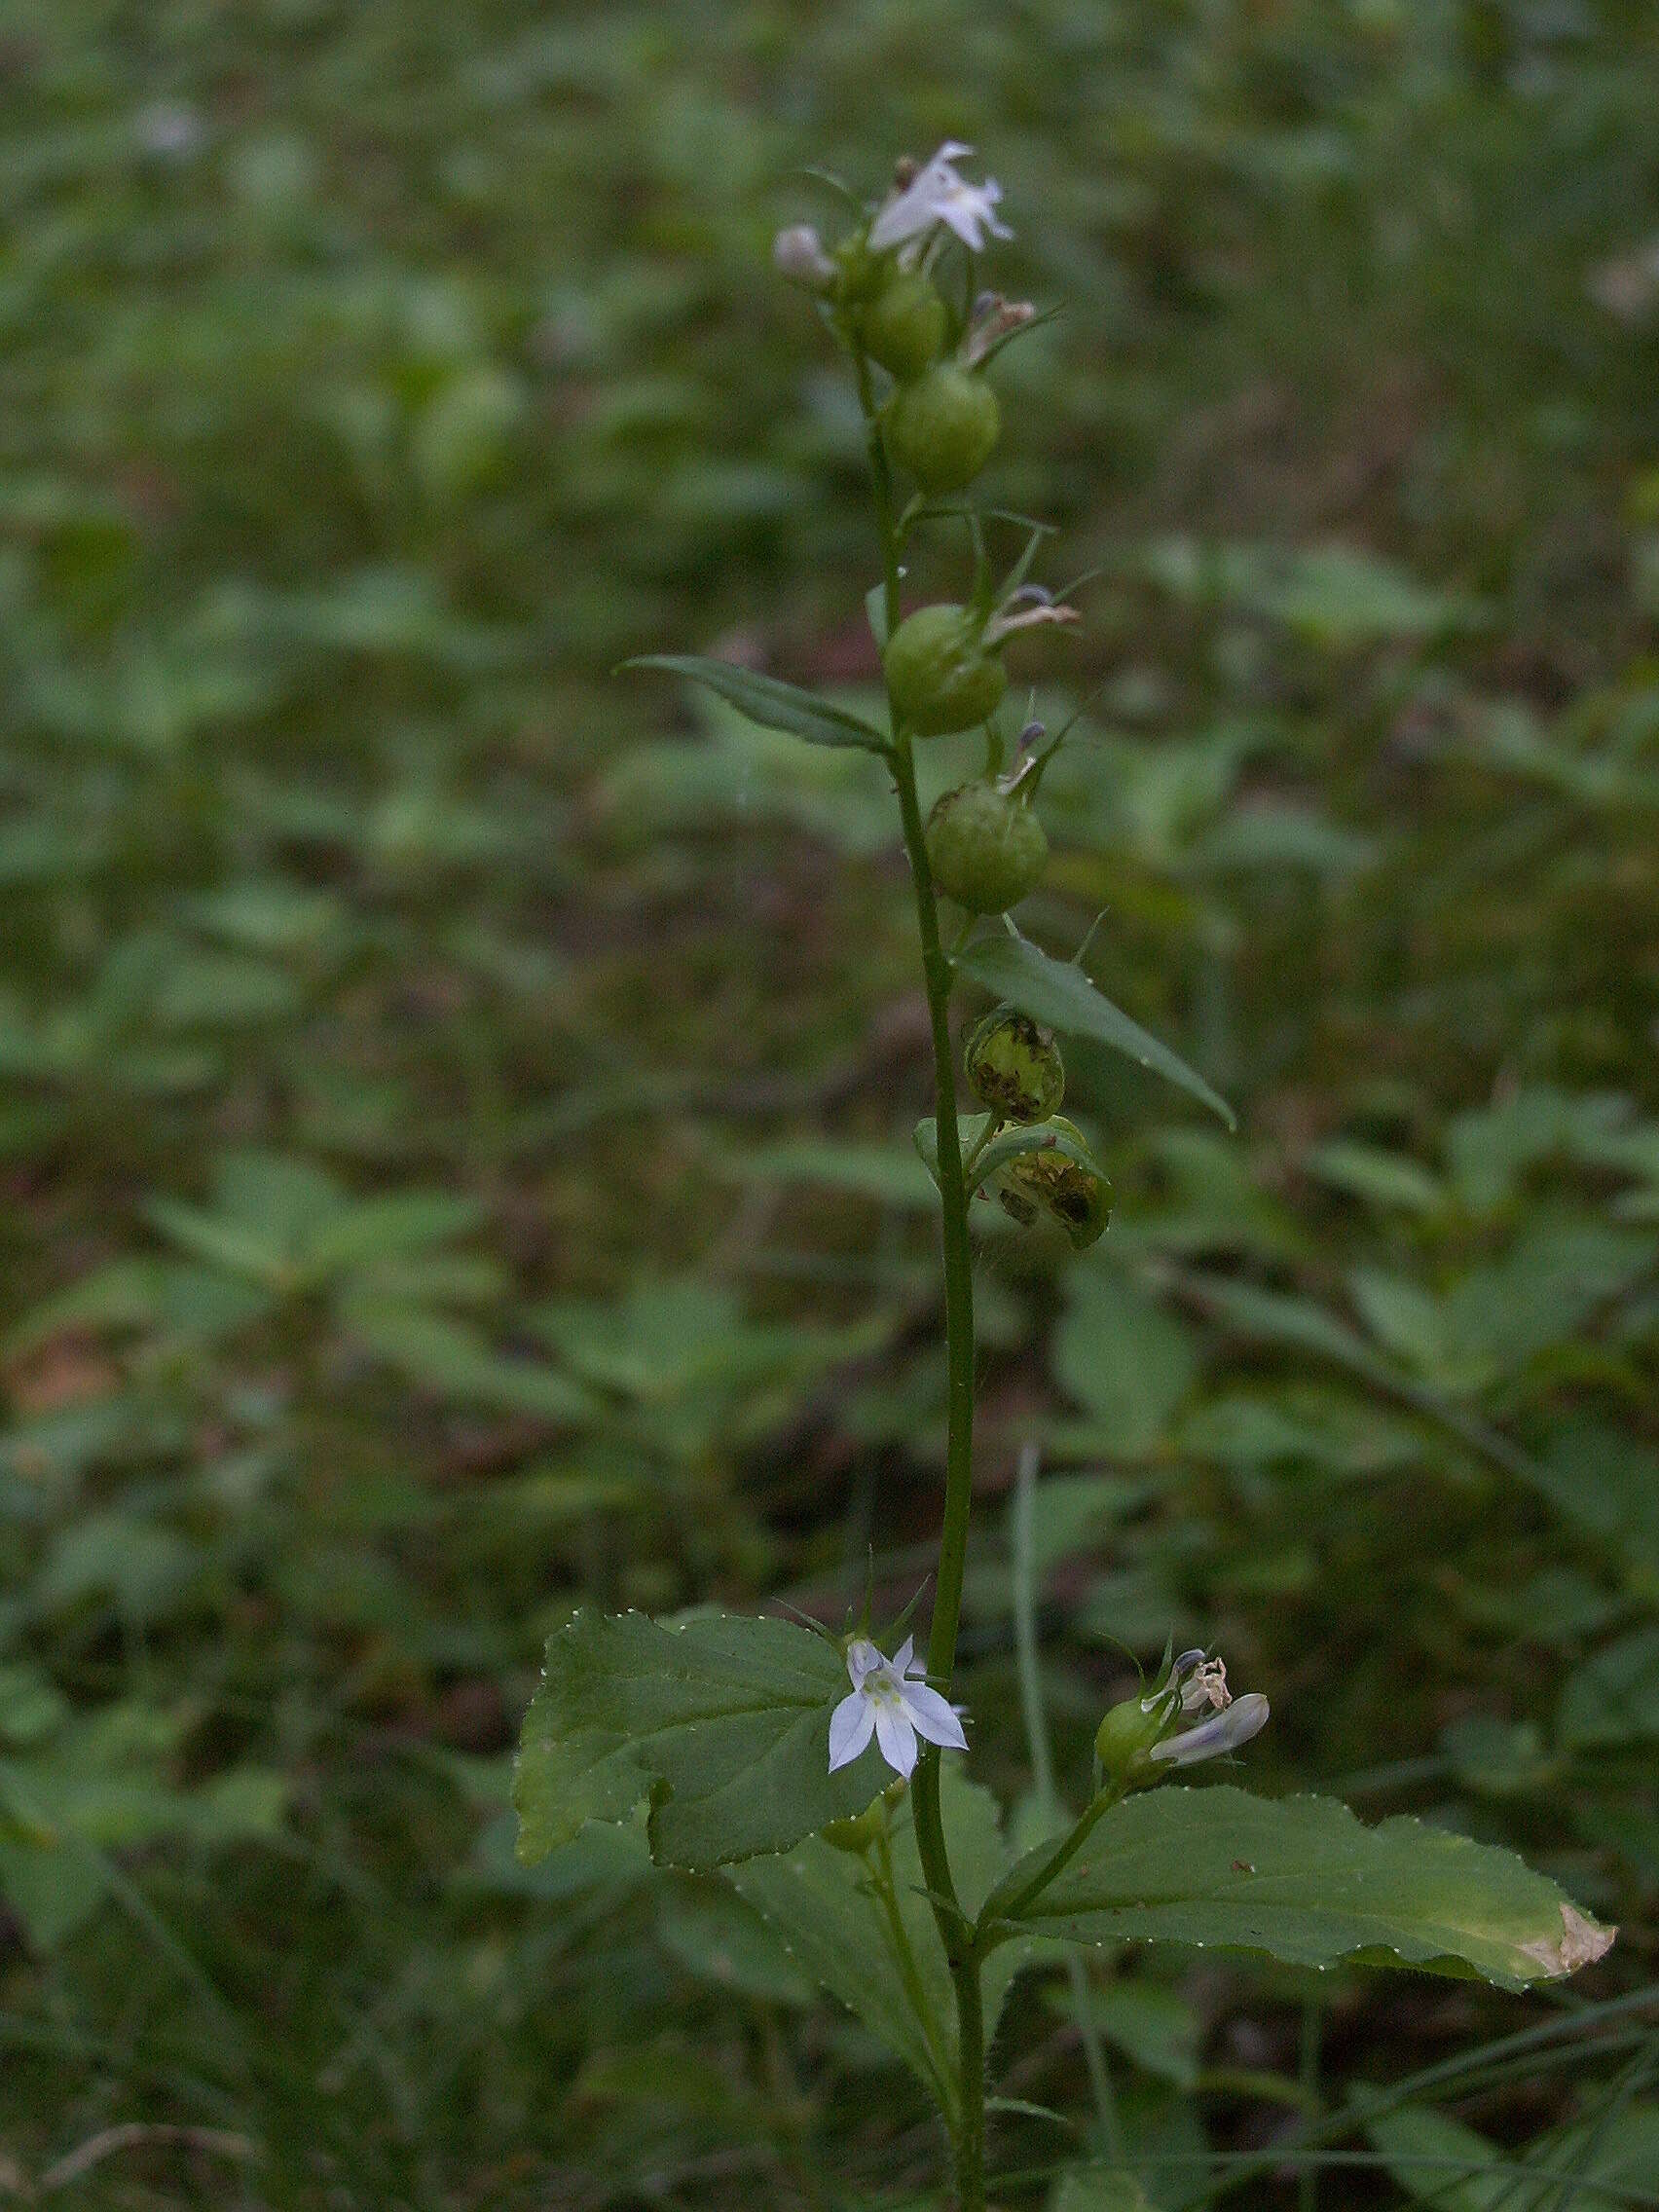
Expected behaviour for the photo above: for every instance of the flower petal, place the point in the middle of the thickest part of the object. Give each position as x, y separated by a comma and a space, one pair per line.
896, 1738
862, 1661
934, 1716
1225, 1731
905, 1657
935, 194
851, 1727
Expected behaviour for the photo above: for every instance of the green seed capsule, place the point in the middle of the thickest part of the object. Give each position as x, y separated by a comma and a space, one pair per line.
859, 274
940, 675
987, 850
943, 428
1014, 1067
904, 326
1079, 1199
1125, 1736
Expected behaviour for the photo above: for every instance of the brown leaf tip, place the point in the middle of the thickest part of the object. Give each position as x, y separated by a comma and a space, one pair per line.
1581, 1942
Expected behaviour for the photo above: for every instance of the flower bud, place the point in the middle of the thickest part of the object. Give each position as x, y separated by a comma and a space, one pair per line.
943, 428
941, 677
1074, 1195
985, 848
1014, 1067
904, 326
798, 254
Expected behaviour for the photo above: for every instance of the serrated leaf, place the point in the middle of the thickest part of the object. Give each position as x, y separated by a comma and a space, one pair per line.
722, 1725
1059, 994
772, 704
823, 1905
1303, 1880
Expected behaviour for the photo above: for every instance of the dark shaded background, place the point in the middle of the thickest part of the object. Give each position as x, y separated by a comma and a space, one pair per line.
455, 1108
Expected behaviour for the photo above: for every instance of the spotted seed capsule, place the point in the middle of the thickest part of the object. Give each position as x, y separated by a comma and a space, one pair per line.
1014, 1067
1051, 1183
987, 849
904, 325
943, 428
938, 672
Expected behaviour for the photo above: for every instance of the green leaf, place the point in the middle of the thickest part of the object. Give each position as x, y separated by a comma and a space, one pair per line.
1303, 1880
1126, 1360
1058, 993
392, 1222
1437, 2161
1099, 2189
1613, 1697
774, 705
720, 1936
723, 1724
824, 1905
882, 1173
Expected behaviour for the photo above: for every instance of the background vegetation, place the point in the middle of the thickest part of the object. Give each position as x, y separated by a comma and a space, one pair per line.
455, 1113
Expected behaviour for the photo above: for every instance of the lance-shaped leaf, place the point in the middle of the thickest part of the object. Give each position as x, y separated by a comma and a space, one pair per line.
722, 1725
1303, 1880
1058, 993
774, 705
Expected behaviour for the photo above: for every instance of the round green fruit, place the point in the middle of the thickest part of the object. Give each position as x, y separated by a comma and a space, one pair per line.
1124, 1737
1068, 1193
943, 426
940, 675
985, 849
1014, 1067
904, 325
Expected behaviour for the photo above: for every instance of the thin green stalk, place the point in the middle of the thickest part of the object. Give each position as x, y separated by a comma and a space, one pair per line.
1308, 2177
1010, 1908
909, 1973
992, 1129
1043, 1775
955, 1932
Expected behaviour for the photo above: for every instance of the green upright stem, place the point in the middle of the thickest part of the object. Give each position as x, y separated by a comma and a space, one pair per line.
954, 1930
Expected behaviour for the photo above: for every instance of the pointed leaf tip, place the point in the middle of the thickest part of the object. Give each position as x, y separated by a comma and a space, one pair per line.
773, 703
1057, 993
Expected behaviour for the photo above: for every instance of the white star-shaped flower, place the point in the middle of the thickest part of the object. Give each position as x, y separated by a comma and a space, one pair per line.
936, 195
892, 1702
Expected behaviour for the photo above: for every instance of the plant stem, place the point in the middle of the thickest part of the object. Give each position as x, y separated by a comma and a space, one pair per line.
1108, 2127
955, 1932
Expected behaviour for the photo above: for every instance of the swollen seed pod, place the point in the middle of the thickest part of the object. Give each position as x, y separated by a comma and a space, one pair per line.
944, 426
904, 325
1074, 1195
858, 274
940, 676
1125, 1736
1013, 1066
987, 849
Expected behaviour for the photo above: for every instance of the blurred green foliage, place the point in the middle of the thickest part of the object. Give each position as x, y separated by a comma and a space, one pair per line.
453, 1105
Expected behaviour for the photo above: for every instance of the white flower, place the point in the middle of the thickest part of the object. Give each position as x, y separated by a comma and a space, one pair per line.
1243, 1717
892, 1702
937, 195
